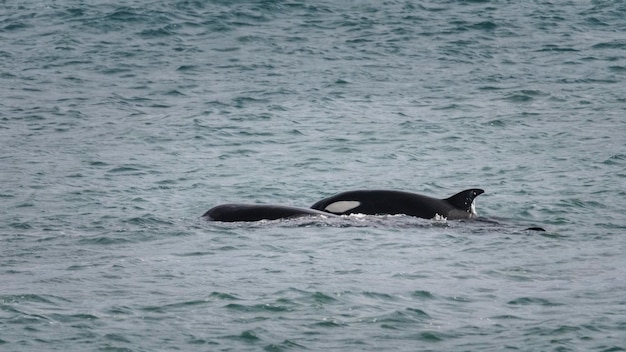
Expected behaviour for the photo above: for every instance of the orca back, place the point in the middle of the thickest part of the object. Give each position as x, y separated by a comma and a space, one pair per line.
379, 202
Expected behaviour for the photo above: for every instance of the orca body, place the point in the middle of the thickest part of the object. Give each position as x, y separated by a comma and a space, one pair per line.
257, 212
378, 202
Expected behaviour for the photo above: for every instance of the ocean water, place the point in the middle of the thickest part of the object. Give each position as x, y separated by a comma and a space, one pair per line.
122, 122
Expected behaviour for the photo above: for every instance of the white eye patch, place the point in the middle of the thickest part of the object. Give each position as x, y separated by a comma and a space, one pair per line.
342, 206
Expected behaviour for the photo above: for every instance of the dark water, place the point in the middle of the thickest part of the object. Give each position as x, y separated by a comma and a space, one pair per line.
121, 123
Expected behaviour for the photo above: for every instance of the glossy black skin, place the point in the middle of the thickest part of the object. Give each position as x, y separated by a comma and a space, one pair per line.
373, 202
257, 212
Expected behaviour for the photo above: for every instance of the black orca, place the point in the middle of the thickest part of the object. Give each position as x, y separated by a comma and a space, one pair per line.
378, 202
256, 212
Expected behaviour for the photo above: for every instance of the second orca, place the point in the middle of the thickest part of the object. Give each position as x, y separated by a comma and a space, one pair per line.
256, 212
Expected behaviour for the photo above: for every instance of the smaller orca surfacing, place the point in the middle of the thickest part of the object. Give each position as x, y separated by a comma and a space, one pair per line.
257, 212
378, 202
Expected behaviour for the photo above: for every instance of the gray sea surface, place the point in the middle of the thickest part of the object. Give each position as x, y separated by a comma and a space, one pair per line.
122, 122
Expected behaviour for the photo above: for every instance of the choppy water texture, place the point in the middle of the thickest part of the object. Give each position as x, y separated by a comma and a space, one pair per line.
121, 123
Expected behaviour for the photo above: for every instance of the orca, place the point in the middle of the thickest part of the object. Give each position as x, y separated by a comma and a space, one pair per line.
379, 202
256, 212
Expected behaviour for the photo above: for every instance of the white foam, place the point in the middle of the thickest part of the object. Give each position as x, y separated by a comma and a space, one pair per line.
439, 218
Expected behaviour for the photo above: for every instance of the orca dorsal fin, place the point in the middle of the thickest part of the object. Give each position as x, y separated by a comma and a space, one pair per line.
464, 199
